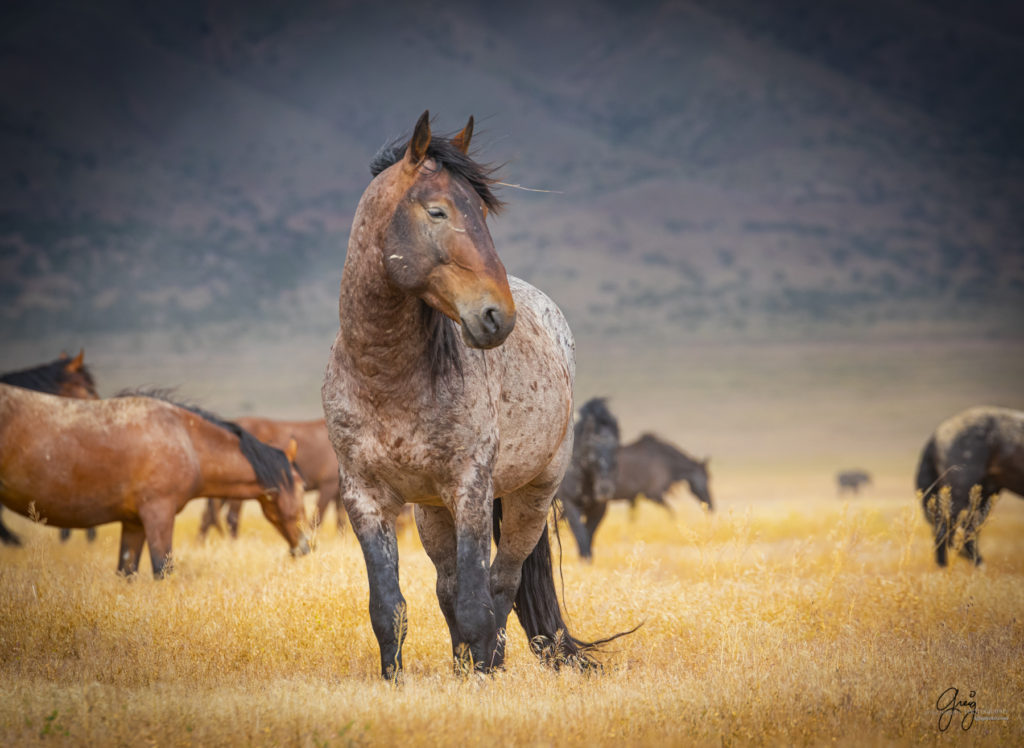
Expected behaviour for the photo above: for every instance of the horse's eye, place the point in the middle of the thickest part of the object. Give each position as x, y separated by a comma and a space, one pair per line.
437, 213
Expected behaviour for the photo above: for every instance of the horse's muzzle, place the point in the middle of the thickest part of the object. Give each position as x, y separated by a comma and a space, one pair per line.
302, 548
487, 328
604, 489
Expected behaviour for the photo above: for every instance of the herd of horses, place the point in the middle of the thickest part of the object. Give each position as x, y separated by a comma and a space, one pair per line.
449, 387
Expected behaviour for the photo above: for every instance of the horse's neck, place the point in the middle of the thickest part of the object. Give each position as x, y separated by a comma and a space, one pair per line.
381, 329
224, 471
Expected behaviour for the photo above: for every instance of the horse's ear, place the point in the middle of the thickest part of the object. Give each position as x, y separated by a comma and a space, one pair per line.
418, 144
461, 141
291, 450
76, 362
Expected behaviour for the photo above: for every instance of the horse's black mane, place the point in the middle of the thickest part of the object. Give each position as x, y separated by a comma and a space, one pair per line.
596, 410
269, 463
448, 156
445, 357
46, 378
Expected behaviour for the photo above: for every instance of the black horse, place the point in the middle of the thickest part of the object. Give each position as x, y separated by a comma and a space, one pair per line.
65, 376
590, 480
852, 480
969, 459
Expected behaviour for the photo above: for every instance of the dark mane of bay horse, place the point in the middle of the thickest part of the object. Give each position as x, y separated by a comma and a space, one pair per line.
270, 464
47, 378
445, 360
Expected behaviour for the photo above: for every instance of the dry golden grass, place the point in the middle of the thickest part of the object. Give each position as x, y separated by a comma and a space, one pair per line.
804, 621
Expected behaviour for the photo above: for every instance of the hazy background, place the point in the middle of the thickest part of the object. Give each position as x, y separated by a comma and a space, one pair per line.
781, 231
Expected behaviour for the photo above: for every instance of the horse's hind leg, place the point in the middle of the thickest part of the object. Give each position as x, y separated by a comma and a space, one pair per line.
133, 537
234, 517
210, 518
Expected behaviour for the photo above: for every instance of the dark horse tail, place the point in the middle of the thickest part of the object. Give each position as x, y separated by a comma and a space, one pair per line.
540, 614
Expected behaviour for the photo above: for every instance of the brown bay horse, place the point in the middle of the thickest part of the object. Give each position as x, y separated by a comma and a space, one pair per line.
315, 461
650, 466
65, 376
137, 461
450, 384
970, 458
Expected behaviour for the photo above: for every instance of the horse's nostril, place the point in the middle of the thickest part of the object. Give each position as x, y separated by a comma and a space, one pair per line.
491, 320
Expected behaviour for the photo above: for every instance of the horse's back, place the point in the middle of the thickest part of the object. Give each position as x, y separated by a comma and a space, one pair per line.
315, 456
984, 441
535, 409
641, 469
61, 454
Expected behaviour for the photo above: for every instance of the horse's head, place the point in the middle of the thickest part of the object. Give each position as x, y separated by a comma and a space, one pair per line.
437, 244
74, 379
285, 508
698, 479
597, 444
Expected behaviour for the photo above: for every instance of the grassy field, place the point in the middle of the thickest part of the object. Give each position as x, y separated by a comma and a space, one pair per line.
804, 620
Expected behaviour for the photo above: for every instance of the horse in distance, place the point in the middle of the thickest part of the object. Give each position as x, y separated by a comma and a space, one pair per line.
850, 481
651, 466
449, 384
65, 376
970, 458
315, 461
591, 478
135, 460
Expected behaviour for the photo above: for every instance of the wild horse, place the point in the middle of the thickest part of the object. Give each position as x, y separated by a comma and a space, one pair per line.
65, 376
315, 461
650, 466
970, 458
137, 461
589, 482
418, 415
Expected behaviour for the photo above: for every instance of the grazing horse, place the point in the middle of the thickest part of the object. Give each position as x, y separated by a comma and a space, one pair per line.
969, 459
651, 466
590, 480
315, 462
449, 384
67, 377
851, 481
137, 461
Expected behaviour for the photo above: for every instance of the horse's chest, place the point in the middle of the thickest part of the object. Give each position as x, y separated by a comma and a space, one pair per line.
417, 461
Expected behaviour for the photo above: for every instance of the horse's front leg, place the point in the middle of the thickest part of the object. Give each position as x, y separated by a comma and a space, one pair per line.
474, 607
579, 531
373, 521
158, 522
437, 533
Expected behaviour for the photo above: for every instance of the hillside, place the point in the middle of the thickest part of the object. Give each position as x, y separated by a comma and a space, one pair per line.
716, 171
